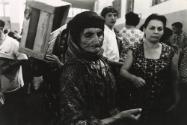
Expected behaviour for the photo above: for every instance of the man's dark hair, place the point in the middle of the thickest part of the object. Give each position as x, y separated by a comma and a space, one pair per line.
132, 19
2, 23
108, 10
177, 25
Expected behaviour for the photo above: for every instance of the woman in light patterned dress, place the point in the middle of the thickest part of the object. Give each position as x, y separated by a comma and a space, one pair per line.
130, 34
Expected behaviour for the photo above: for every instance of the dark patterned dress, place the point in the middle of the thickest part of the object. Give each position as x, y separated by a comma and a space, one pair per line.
87, 92
156, 96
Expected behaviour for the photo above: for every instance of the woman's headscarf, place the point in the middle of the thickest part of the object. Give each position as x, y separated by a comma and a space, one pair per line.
76, 26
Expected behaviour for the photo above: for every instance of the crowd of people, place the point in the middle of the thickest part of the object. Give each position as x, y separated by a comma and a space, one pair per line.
98, 75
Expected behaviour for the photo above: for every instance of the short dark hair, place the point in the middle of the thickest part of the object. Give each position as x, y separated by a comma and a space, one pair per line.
155, 17
132, 19
177, 25
108, 10
2, 23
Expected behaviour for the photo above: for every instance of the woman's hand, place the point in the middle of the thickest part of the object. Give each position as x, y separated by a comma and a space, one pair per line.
133, 114
53, 59
176, 101
138, 81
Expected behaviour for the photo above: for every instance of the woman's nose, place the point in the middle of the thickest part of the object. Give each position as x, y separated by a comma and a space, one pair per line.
156, 30
113, 17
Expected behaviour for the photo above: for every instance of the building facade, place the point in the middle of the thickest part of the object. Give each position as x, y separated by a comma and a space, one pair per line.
174, 10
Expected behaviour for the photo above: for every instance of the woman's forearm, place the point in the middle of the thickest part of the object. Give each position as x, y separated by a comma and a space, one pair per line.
110, 120
124, 73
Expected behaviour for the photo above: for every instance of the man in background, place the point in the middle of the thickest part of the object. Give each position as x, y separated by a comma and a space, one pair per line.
130, 34
110, 44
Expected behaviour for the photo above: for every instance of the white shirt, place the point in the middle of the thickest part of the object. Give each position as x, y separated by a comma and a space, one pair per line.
9, 49
110, 45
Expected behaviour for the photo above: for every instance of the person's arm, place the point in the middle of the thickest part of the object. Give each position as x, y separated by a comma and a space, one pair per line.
73, 104
175, 80
133, 114
137, 81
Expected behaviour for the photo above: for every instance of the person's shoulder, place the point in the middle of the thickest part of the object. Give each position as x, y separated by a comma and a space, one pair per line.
138, 45
164, 45
168, 49
123, 29
138, 30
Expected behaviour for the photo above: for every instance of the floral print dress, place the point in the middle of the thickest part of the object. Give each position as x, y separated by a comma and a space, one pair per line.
155, 96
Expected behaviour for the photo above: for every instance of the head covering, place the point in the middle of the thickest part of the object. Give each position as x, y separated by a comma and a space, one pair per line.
87, 19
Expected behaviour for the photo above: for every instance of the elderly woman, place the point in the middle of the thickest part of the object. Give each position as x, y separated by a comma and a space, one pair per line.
151, 68
88, 88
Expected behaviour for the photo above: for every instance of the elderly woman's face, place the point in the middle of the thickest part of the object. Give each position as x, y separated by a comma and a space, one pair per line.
154, 31
91, 40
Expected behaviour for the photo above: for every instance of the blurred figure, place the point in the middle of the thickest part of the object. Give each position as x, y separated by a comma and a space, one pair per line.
179, 37
179, 41
166, 36
152, 73
11, 80
130, 34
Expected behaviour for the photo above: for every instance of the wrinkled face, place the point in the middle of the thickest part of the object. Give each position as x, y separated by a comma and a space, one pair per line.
110, 19
1, 33
154, 31
91, 40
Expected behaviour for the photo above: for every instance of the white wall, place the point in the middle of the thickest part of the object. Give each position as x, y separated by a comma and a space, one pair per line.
123, 12
175, 10
101, 4
180, 16
145, 7
17, 13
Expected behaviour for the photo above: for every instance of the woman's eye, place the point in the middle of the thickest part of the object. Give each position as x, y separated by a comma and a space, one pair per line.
160, 29
99, 34
152, 28
88, 34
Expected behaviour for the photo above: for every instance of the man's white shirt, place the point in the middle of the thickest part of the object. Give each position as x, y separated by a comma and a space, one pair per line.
110, 45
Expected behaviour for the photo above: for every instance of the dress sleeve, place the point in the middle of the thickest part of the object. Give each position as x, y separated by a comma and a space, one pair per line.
72, 103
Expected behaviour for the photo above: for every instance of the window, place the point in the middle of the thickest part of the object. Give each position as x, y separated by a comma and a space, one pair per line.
117, 6
130, 5
155, 2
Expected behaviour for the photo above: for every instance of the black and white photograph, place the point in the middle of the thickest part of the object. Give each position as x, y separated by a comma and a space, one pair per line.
93, 62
